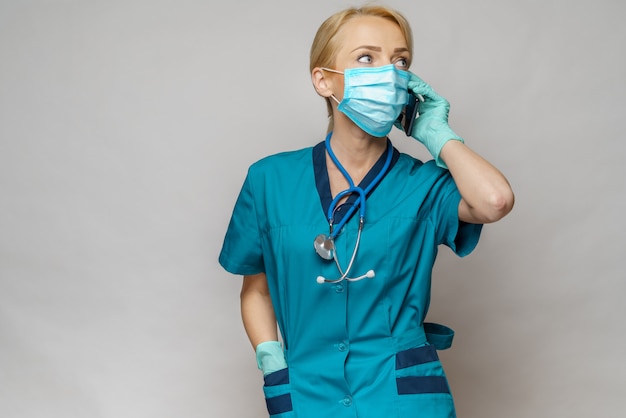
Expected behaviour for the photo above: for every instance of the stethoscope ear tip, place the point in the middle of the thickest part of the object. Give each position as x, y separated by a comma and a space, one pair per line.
320, 279
370, 274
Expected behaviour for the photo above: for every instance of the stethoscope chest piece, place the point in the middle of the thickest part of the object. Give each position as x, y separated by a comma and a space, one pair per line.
324, 246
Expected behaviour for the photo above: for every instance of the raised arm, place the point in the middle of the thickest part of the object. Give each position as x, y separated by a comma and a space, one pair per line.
485, 192
486, 195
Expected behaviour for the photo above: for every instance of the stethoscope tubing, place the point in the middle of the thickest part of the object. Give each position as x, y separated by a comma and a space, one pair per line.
320, 245
360, 202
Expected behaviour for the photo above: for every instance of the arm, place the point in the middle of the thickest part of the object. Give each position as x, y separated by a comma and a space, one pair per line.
486, 195
257, 311
259, 322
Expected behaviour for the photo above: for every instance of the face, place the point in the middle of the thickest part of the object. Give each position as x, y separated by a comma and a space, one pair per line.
368, 41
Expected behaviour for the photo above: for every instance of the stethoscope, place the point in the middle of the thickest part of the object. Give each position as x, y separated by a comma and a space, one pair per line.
325, 243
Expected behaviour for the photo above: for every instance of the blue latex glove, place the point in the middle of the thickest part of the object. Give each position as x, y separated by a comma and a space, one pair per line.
431, 127
270, 357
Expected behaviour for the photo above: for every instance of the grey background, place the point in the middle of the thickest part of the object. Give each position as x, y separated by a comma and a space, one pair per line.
126, 128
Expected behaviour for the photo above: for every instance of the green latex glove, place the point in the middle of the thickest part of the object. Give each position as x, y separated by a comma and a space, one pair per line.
270, 357
431, 127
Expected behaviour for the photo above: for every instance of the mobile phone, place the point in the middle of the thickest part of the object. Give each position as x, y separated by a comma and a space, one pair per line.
410, 112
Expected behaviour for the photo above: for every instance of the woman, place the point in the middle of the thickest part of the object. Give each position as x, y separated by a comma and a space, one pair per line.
337, 242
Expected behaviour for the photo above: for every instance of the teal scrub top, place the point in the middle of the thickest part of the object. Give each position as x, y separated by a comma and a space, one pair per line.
353, 349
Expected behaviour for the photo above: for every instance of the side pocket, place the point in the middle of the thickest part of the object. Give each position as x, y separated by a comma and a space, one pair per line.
419, 371
277, 390
422, 384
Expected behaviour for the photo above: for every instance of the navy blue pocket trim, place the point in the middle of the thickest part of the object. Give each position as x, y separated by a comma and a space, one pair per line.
280, 377
422, 384
279, 404
414, 356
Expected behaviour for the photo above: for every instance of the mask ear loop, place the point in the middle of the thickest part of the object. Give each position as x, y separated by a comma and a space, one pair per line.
331, 70
332, 95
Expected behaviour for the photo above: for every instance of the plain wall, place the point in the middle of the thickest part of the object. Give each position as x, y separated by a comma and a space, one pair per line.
126, 128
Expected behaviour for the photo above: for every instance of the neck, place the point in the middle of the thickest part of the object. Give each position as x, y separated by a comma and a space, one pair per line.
356, 150
357, 155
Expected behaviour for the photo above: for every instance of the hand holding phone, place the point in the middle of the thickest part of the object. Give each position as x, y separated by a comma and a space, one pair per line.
431, 128
410, 113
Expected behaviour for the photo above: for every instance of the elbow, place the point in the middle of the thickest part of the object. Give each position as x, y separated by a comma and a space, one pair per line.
498, 205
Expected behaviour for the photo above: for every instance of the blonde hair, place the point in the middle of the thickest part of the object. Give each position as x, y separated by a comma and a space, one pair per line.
326, 43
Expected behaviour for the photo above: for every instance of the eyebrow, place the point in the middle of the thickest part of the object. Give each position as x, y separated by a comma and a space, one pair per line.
378, 49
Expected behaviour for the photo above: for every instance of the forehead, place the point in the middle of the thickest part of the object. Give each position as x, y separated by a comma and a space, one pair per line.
370, 30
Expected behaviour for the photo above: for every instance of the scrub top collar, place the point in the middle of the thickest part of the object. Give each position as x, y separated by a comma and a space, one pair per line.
323, 183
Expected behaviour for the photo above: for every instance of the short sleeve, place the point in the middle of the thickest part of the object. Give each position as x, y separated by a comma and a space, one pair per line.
460, 236
241, 251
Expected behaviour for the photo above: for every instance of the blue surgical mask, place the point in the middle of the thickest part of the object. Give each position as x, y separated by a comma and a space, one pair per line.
373, 97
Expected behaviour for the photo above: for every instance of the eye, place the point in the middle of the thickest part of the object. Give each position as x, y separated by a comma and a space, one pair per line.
402, 63
365, 59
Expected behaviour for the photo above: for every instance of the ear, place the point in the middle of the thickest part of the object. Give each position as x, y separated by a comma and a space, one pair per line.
323, 86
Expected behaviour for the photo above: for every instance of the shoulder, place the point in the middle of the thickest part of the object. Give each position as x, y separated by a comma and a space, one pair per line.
411, 166
422, 180
287, 160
